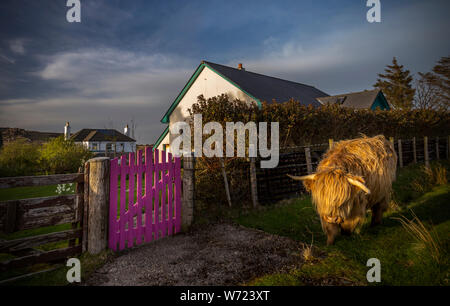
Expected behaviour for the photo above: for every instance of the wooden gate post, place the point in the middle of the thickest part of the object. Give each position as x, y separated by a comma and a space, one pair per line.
425, 148
98, 210
253, 182
437, 147
308, 160
414, 150
187, 204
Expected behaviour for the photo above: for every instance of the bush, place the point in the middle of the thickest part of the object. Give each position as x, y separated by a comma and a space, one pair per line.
63, 156
19, 158
304, 125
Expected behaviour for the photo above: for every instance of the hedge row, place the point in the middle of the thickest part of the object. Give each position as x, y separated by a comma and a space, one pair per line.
304, 125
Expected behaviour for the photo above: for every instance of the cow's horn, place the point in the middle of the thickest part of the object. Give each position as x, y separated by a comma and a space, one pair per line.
359, 184
302, 178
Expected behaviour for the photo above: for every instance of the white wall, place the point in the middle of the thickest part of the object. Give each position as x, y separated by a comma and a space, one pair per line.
210, 84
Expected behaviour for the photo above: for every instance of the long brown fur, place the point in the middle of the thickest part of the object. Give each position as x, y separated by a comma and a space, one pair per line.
370, 161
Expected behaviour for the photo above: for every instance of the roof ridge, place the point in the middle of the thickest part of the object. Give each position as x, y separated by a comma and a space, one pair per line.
351, 93
268, 76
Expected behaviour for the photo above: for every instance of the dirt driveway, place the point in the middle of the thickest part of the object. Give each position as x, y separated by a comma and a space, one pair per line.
220, 254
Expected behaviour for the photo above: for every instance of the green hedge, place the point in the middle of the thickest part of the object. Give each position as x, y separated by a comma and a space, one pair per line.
303, 125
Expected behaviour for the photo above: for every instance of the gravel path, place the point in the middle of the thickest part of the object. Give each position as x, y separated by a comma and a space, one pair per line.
220, 254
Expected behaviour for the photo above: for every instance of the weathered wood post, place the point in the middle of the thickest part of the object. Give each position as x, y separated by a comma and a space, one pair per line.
425, 151
84, 223
414, 150
187, 204
400, 153
79, 194
448, 147
98, 210
308, 160
253, 181
437, 147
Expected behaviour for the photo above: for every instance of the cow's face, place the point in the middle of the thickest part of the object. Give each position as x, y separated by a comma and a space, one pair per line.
331, 189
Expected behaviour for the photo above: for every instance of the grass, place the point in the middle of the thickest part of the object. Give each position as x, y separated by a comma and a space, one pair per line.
406, 259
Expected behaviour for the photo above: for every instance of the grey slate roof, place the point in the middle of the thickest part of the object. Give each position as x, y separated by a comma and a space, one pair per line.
362, 99
267, 88
100, 135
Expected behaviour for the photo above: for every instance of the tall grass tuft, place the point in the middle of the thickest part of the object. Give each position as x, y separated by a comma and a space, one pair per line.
422, 235
436, 175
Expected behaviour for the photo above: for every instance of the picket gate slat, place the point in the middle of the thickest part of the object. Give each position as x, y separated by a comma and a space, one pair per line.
148, 194
170, 196
177, 195
123, 197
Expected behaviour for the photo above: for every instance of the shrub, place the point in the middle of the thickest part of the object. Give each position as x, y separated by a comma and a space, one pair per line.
63, 156
19, 158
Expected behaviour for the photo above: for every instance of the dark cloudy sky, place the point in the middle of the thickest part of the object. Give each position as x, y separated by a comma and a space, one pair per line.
129, 59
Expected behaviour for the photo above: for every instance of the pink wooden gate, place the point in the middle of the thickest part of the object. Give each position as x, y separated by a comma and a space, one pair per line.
150, 208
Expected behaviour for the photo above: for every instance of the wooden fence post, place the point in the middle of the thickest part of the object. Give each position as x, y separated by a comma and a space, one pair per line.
414, 150
448, 147
98, 210
330, 142
437, 147
84, 223
79, 193
400, 153
308, 160
11, 216
187, 205
425, 148
253, 182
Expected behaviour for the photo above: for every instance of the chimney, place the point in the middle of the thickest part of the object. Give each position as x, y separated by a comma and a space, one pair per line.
67, 131
126, 130
240, 67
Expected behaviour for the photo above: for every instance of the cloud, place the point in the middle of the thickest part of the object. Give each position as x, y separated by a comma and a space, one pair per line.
102, 88
18, 46
349, 59
117, 76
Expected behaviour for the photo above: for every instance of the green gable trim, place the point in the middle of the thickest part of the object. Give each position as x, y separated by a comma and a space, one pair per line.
160, 138
236, 85
188, 85
180, 96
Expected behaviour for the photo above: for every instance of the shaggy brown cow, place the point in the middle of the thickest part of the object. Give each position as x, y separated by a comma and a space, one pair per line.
354, 175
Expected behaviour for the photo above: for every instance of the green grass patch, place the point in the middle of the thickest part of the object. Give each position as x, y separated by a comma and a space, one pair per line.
404, 260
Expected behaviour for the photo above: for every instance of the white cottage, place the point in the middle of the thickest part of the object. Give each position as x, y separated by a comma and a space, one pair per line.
210, 80
103, 141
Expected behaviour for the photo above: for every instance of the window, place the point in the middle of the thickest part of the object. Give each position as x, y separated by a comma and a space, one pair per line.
109, 147
94, 146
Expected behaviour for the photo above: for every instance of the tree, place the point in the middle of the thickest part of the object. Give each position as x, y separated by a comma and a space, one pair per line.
19, 158
426, 95
438, 80
396, 85
63, 156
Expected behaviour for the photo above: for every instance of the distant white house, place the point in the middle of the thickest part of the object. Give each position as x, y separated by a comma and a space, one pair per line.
210, 80
104, 141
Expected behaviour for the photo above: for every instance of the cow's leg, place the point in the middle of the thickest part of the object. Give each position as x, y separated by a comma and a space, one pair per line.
332, 230
377, 212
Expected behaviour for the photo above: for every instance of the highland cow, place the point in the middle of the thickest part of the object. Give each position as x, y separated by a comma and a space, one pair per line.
354, 176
